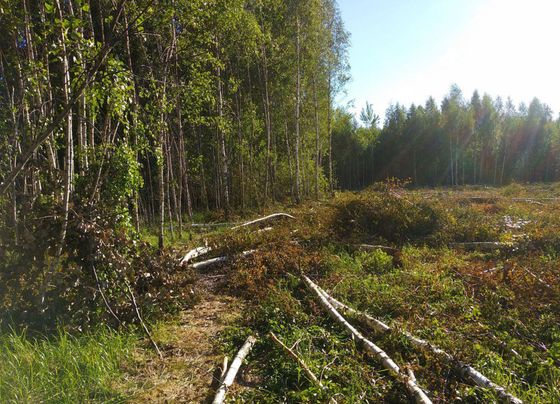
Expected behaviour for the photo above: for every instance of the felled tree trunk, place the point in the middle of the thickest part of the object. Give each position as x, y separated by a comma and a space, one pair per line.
195, 253
233, 369
464, 370
218, 260
263, 219
369, 346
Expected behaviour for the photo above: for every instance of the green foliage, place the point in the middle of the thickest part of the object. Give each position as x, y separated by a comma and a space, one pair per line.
387, 216
456, 143
63, 368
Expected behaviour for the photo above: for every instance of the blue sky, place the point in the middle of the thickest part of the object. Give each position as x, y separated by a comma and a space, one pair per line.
406, 50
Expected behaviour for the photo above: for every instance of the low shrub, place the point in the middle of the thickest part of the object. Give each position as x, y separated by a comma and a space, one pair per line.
386, 215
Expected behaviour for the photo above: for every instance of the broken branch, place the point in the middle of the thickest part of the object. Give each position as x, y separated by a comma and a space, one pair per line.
310, 375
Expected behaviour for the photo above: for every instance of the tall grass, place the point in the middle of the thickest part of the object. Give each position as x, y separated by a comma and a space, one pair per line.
63, 369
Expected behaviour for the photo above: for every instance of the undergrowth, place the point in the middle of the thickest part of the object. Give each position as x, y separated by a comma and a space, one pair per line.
496, 310
63, 368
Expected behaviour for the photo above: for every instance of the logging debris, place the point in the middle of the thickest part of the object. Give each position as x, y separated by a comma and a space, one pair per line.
369, 346
229, 377
466, 371
264, 219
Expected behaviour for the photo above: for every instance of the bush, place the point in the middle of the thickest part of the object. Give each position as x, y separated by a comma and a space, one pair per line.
74, 298
386, 215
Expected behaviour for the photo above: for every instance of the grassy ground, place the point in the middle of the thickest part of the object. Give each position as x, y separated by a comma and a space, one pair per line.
496, 309
63, 369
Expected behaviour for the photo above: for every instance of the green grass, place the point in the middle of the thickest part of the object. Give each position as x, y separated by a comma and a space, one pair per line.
63, 369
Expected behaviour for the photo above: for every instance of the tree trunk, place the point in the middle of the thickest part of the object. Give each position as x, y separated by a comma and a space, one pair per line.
317, 138
298, 107
222, 143
268, 126
233, 369
370, 347
135, 103
69, 160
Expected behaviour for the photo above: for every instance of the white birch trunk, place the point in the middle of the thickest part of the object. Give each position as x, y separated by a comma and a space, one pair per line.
233, 369
369, 346
466, 371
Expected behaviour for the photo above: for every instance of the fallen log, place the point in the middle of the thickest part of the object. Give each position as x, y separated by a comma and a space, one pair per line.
384, 248
233, 369
218, 260
211, 224
369, 346
263, 219
210, 262
195, 253
464, 370
264, 230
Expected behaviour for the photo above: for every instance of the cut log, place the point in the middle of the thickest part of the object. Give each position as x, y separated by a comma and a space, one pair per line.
210, 262
369, 346
211, 224
264, 230
218, 260
465, 371
484, 246
233, 369
310, 375
263, 219
371, 322
195, 253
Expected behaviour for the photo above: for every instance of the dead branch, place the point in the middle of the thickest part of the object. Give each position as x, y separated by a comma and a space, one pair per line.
263, 219
233, 369
107, 305
310, 375
142, 321
536, 277
466, 371
377, 352
224, 369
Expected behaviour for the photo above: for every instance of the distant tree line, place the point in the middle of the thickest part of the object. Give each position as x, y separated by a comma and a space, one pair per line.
477, 141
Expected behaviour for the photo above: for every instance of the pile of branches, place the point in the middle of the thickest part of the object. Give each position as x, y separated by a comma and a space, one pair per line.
104, 275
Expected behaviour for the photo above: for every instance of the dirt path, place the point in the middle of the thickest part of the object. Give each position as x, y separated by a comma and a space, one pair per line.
191, 348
